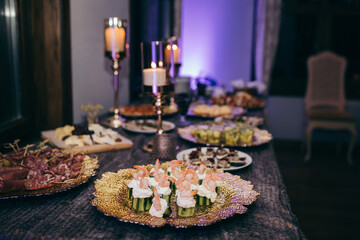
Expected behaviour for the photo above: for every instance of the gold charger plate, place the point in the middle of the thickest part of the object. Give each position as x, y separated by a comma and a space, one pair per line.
88, 170
110, 198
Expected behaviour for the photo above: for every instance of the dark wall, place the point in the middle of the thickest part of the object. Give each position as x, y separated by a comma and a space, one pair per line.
150, 20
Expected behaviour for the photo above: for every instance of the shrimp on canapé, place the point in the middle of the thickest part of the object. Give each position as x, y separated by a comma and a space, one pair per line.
134, 175
156, 168
144, 183
202, 168
156, 200
143, 172
188, 193
163, 180
175, 163
191, 176
210, 182
184, 188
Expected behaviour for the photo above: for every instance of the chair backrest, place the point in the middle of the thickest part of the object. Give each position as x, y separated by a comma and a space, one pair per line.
325, 87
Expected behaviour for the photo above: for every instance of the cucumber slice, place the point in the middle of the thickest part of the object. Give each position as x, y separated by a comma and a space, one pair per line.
129, 193
141, 204
185, 212
166, 197
167, 213
203, 201
173, 187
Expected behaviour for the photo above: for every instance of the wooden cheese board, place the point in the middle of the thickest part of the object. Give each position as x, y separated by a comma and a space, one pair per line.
123, 144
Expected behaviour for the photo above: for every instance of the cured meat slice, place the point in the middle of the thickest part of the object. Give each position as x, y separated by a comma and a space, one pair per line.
9, 173
40, 181
39, 169
12, 185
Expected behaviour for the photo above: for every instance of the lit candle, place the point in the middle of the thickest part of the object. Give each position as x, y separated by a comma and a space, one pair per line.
114, 39
154, 76
176, 52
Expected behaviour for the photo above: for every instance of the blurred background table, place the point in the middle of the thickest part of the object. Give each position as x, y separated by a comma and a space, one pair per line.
70, 215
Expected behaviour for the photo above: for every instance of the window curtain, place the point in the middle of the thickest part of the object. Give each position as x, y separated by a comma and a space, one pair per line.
177, 18
268, 15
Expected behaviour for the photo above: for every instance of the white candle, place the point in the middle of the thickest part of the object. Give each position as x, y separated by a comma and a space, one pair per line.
154, 76
176, 52
114, 39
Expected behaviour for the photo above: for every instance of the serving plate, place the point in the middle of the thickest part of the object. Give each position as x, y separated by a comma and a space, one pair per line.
146, 126
89, 167
110, 198
261, 136
235, 112
240, 99
183, 155
144, 111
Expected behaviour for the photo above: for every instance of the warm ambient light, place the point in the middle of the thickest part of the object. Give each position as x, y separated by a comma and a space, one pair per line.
176, 52
153, 65
154, 76
114, 39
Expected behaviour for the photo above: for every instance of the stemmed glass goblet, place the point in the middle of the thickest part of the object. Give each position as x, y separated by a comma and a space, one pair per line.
183, 101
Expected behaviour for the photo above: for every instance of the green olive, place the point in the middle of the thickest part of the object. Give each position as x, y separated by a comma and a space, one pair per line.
53, 160
6, 163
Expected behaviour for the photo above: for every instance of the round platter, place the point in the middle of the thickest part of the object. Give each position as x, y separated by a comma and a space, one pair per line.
248, 160
88, 170
143, 111
261, 136
235, 111
146, 126
111, 199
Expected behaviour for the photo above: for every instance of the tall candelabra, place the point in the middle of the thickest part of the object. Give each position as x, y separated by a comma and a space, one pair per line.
173, 57
116, 49
173, 54
158, 75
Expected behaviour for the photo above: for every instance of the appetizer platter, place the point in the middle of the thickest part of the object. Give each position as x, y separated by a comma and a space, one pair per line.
90, 139
144, 110
212, 111
239, 99
225, 133
172, 193
222, 158
253, 121
43, 171
146, 126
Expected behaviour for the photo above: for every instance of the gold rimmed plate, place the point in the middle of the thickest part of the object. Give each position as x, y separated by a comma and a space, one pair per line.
110, 198
89, 167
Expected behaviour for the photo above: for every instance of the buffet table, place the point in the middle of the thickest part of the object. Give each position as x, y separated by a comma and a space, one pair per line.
69, 214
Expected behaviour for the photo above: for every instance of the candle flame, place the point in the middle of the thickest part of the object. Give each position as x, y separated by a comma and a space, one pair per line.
161, 64
153, 65
174, 47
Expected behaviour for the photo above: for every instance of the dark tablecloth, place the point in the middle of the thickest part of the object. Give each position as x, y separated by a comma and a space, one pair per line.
69, 214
